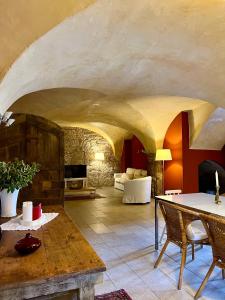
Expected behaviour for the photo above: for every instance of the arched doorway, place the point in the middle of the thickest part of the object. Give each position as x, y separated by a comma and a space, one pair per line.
206, 171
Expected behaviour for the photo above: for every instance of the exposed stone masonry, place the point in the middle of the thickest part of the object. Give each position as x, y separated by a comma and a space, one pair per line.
155, 171
80, 148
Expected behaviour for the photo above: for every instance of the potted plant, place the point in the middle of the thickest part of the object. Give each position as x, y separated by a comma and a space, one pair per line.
14, 176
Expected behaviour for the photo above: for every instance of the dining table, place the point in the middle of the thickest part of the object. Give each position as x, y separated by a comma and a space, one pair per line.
199, 202
64, 266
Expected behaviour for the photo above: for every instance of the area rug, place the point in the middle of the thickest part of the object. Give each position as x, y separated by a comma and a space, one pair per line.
117, 295
82, 197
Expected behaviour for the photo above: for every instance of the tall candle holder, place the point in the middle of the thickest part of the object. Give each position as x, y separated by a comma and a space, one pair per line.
217, 196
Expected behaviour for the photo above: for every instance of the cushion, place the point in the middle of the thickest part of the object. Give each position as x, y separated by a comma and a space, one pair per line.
121, 180
126, 176
130, 176
143, 173
196, 231
137, 173
130, 171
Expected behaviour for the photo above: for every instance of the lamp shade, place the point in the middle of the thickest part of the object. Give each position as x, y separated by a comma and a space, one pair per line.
163, 154
99, 156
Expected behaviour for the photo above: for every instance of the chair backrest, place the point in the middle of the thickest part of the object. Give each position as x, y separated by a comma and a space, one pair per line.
177, 219
174, 222
215, 228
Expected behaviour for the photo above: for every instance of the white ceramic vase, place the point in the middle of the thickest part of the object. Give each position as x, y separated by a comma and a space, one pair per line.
8, 203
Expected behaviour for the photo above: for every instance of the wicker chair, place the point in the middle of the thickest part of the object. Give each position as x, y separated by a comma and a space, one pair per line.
215, 227
168, 192
177, 221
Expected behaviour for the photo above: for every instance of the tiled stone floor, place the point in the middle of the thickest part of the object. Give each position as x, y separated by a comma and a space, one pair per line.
122, 236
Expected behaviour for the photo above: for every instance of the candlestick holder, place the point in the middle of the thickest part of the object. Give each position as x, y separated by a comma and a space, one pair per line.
217, 196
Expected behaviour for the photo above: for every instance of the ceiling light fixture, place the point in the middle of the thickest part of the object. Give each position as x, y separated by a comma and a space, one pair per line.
5, 119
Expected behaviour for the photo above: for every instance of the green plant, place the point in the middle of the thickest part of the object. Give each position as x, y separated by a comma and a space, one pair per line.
16, 174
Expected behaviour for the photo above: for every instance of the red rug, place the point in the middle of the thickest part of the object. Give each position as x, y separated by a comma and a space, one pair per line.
117, 295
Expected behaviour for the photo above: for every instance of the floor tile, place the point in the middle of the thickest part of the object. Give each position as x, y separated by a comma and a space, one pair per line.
123, 236
100, 228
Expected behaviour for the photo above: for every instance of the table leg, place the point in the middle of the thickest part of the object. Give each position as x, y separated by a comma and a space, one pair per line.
156, 226
86, 293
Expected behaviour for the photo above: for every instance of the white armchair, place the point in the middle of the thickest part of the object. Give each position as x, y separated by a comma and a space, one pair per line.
118, 184
137, 190
131, 173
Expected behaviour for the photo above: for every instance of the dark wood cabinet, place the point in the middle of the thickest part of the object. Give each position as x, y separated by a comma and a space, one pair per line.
35, 139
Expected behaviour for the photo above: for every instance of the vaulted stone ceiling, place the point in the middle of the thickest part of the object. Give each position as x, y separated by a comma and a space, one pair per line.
114, 135
146, 117
22, 22
140, 62
212, 134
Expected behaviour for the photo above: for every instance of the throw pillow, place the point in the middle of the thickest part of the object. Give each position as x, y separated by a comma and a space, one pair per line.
137, 173
143, 173
126, 176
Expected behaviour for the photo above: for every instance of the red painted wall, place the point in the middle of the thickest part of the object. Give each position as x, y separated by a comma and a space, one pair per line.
126, 157
138, 158
182, 171
192, 159
132, 155
173, 170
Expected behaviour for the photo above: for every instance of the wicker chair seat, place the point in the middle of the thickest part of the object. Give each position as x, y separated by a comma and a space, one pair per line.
196, 231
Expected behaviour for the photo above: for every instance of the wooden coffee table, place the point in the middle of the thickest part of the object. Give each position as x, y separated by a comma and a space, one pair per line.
64, 264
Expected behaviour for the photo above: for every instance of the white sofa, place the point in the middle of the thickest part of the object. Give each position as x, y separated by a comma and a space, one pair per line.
131, 174
137, 190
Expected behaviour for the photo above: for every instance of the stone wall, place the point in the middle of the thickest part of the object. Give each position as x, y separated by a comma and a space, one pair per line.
158, 178
154, 169
80, 148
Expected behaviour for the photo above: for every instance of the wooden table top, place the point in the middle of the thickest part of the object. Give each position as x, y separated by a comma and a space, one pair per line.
198, 201
64, 252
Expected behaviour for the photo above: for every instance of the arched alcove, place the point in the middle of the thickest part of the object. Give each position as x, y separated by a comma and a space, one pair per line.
81, 145
207, 182
182, 171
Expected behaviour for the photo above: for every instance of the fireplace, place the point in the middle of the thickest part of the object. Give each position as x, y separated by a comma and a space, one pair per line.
207, 181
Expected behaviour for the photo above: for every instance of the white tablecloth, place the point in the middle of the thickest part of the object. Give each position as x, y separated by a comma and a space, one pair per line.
15, 224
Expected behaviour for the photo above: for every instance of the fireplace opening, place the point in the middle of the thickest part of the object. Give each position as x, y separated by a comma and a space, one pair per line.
207, 180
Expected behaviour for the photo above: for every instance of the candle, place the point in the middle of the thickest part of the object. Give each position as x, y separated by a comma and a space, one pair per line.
27, 211
37, 212
217, 178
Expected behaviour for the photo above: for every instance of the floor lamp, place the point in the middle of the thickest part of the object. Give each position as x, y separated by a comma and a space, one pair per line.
99, 156
163, 155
